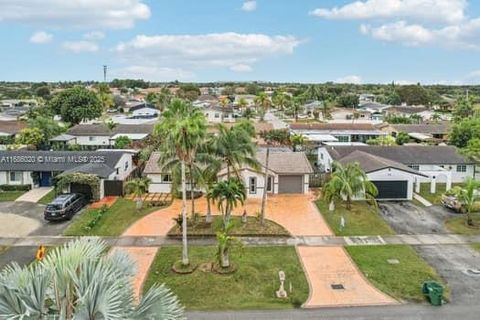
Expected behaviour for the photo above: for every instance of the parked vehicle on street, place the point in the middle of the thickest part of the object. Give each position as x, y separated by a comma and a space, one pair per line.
64, 206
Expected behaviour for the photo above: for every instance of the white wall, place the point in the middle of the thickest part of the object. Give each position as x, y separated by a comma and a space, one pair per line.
145, 112
324, 159
457, 177
156, 184
125, 167
247, 174
26, 178
96, 140
391, 174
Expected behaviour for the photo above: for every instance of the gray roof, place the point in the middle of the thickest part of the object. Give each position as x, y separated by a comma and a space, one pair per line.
143, 105
371, 163
287, 162
63, 137
417, 154
426, 128
56, 160
99, 169
100, 129
152, 164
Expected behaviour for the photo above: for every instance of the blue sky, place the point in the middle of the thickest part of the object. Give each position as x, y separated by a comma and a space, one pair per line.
366, 41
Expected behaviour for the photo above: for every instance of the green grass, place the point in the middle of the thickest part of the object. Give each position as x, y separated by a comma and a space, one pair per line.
476, 246
113, 223
251, 228
252, 286
436, 197
10, 195
402, 281
458, 224
362, 220
46, 199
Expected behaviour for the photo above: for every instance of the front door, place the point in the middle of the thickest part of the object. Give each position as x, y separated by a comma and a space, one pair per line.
45, 179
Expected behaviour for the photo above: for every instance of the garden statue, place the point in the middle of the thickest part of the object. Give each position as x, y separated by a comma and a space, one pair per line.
281, 293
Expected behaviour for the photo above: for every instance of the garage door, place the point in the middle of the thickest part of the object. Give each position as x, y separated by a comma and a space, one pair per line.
392, 189
290, 184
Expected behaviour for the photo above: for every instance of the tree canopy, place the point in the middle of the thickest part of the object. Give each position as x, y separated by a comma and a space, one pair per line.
76, 104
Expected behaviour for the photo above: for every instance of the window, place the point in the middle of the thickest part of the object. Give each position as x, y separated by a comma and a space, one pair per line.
269, 184
126, 166
91, 138
414, 167
15, 176
252, 185
217, 115
117, 170
166, 178
461, 168
343, 138
321, 156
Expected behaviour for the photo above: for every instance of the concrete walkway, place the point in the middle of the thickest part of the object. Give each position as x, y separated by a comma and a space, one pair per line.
422, 200
34, 195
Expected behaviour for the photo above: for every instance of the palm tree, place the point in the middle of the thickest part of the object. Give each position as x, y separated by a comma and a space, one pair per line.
81, 280
207, 180
227, 195
183, 128
280, 100
295, 107
350, 181
264, 102
468, 195
225, 242
105, 96
313, 92
297, 140
242, 103
138, 187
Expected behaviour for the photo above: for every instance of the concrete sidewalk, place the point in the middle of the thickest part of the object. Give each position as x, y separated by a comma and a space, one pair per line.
34, 195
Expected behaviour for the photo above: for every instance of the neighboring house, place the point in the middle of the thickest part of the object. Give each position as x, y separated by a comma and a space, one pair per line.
205, 100
426, 132
219, 114
434, 164
374, 110
100, 136
144, 111
288, 173
38, 168
15, 103
341, 132
408, 111
10, 129
366, 97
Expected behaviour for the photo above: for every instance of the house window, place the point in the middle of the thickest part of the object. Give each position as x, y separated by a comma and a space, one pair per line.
117, 170
166, 178
342, 138
126, 166
91, 138
270, 184
217, 115
15, 176
321, 156
461, 168
252, 185
414, 167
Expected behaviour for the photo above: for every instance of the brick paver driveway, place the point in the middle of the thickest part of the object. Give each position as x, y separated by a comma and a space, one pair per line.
299, 215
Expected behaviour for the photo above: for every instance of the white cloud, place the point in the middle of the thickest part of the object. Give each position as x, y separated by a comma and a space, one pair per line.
412, 35
350, 79
81, 46
110, 14
41, 37
152, 73
249, 6
94, 35
235, 51
446, 11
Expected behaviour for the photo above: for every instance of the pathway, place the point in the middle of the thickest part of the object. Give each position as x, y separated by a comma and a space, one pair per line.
275, 121
34, 195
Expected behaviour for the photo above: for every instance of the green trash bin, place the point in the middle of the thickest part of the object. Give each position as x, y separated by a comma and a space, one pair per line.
433, 291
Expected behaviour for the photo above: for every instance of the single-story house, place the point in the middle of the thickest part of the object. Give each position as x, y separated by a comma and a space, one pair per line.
10, 129
434, 164
219, 114
38, 168
435, 131
288, 173
144, 111
343, 132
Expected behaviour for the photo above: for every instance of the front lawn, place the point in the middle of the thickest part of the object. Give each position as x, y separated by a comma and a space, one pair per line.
114, 221
362, 220
10, 195
403, 280
251, 228
252, 286
46, 199
458, 224
435, 198
476, 246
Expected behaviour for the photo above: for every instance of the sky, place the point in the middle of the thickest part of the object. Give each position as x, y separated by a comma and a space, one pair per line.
314, 41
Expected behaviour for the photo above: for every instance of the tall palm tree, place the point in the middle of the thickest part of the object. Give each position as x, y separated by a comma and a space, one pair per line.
227, 195
350, 181
264, 102
280, 100
468, 195
183, 128
297, 140
138, 187
81, 280
242, 103
295, 106
105, 95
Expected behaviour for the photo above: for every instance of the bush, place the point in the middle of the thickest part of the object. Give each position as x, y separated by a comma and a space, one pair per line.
20, 187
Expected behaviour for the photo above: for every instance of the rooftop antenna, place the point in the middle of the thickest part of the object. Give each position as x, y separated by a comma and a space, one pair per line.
104, 73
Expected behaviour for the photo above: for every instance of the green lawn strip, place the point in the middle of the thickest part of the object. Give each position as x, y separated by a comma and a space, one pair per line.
362, 220
251, 228
252, 286
112, 223
458, 224
46, 199
10, 195
435, 198
403, 280
476, 246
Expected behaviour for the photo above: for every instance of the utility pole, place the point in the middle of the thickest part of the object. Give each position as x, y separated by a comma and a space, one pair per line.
104, 73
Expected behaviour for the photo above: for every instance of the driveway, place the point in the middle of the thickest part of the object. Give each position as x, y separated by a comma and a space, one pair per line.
453, 263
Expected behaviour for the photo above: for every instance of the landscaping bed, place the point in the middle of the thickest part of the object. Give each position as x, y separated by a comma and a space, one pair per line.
403, 280
251, 286
251, 228
458, 224
10, 195
435, 198
111, 221
362, 220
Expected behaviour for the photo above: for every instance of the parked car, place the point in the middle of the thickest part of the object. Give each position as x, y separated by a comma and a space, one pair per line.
451, 202
64, 206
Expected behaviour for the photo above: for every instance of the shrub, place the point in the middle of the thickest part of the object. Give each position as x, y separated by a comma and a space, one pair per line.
20, 187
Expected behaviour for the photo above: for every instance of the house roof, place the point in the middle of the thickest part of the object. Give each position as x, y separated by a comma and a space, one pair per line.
426, 128
259, 127
142, 106
12, 127
333, 126
152, 165
63, 137
285, 162
374, 106
412, 154
56, 160
371, 163
100, 129
407, 109
99, 169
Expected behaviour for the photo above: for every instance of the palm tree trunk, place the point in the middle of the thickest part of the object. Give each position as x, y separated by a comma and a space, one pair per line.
208, 219
184, 217
469, 219
265, 185
192, 193
349, 203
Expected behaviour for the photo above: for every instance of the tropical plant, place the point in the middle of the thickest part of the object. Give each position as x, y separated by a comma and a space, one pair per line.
467, 196
183, 128
382, 141
295, 107
105, 96
402, 138
30, 136
227, 194
349, 182
264, 102
81, 280
138, 187
280, 100
297, 140
242, 103
122, 142
224, 244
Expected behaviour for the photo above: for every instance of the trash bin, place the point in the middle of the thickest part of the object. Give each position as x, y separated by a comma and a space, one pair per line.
433, 291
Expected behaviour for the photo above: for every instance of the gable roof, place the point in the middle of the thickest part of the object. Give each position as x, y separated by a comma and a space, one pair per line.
142, 106
100, 129
427, 128
152, 164
11, 127
285, 162
416, 154
370, 163
333, 126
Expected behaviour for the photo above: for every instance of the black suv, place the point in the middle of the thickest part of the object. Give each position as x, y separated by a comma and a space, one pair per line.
64, 206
